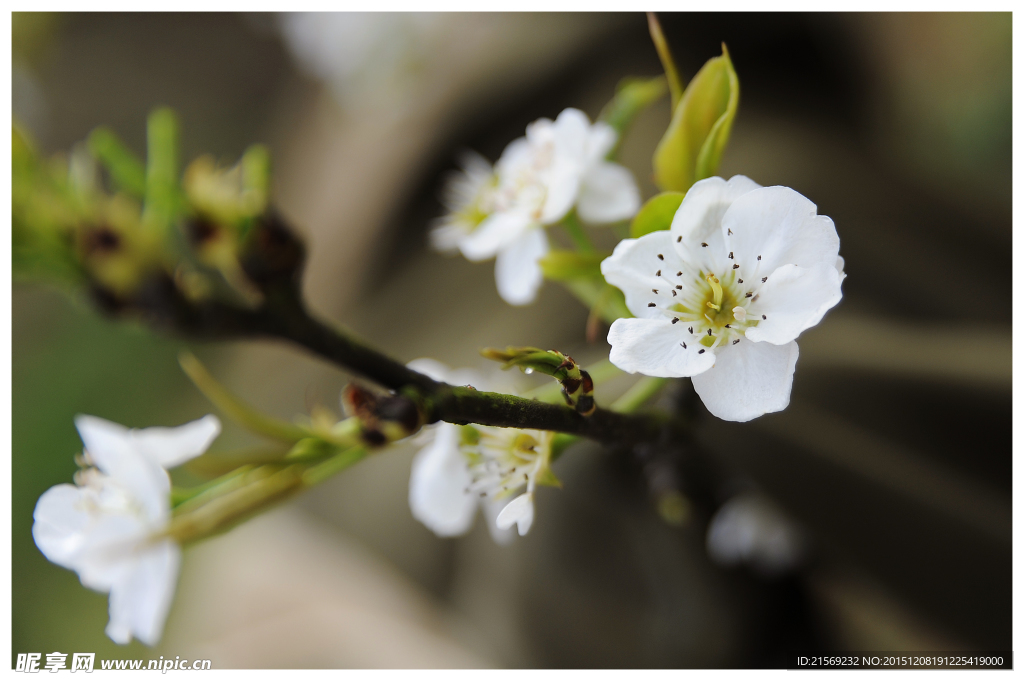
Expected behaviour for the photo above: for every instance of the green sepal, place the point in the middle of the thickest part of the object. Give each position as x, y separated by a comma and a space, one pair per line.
695, 140
313, 448
656, 214
547, 478
560, 265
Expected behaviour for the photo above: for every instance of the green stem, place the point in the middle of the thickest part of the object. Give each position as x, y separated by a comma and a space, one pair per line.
223, 503
235, 408
575, 230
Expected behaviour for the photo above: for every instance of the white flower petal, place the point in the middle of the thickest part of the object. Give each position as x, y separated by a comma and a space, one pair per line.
699, 220
781, 227
494, 234
446, 237
114, 450
794, 299
140, 601
519, 512
608, 194
654, 347
633, 268
438, 485
172, 447
109, 547
516, 157
749, 379
600, 141
562, 181
571, 134
60, 522
107, 443
517, 271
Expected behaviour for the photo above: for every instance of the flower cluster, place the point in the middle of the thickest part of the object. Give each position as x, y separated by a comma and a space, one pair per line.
723, 294
108, 526
502, 211
466, 467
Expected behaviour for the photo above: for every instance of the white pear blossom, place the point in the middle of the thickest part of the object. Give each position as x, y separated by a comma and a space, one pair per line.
750, 529
108, 526
463, 468
724, 293
501, 212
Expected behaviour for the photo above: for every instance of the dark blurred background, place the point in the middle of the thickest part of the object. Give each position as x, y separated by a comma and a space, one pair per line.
890, 472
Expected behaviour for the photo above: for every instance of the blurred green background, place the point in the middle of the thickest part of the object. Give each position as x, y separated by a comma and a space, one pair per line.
894, 457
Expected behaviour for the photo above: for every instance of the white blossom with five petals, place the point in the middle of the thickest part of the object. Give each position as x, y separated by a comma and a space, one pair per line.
723, 294
108, 527
463, 468
502, 211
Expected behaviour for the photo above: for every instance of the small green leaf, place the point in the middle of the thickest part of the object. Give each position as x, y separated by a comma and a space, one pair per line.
695, 140
632, 97
566, 265
656, 214
675, 83
126, 170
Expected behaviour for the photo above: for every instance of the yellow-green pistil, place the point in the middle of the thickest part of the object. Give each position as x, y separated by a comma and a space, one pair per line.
714, 309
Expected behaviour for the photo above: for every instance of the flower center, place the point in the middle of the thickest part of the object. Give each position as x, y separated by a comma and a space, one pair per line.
710, 309
501, 460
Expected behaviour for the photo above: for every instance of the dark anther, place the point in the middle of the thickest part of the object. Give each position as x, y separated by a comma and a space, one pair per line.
658, 273
691, 329
651, 305
679, 287
678, 239
764, 316
730, 255
735, 267
684, 345
661, 257
728, 326
701, 351
703, 244
709, 332
675, 319
736, 341
758, 257
673, 294
764, 279
655, 290
748, 294
730, 232
679, 274
740, 280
